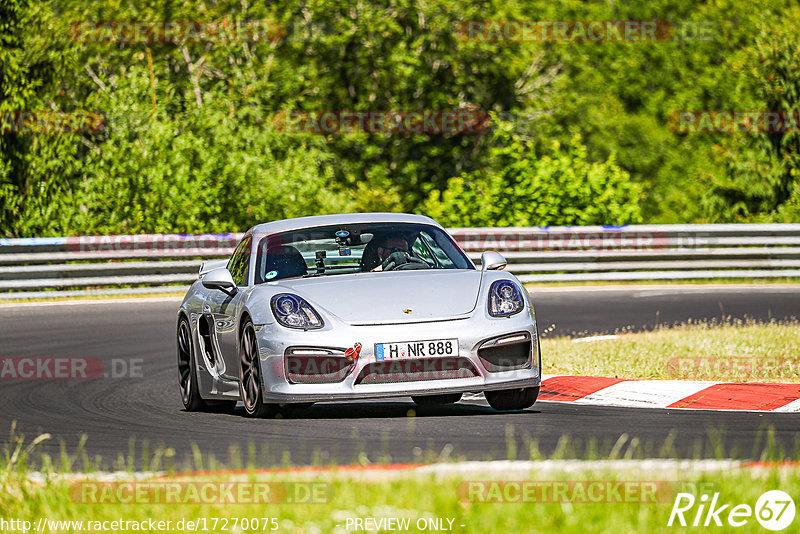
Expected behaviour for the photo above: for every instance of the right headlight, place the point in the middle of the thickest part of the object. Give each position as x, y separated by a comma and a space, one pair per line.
294, 312
505, 299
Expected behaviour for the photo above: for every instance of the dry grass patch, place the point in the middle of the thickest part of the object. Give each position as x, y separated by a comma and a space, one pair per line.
737, 352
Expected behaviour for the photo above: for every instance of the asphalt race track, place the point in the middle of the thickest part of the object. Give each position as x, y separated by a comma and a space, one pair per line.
578, 311
114, 412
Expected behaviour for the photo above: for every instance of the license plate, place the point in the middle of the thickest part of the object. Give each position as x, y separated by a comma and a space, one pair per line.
416, 349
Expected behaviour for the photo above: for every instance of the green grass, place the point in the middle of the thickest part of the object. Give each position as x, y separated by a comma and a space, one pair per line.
738, 351
415, 499
343, 496
324, 501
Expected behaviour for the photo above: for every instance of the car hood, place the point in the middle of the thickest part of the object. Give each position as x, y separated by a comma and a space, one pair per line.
392, 297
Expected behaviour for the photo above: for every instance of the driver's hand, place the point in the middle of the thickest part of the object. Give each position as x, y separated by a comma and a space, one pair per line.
395, 258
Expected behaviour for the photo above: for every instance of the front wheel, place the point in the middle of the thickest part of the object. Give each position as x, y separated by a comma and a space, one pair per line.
187, 375
250, 383
512, 399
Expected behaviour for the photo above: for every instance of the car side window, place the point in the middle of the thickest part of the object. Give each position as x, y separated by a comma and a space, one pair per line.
429, 250
240, 261
420, 250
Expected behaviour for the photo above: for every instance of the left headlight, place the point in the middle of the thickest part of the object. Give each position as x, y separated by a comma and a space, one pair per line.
505, 299
294, 312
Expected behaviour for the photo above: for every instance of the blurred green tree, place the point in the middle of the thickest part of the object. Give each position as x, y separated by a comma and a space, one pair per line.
35, 168
560, 187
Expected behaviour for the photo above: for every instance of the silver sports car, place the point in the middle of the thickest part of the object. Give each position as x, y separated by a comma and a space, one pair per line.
358, 306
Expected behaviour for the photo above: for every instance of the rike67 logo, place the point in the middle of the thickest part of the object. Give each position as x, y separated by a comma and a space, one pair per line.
774, 510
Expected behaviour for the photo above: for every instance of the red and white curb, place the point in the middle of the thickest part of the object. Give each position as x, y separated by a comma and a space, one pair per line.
497, 469
681, 394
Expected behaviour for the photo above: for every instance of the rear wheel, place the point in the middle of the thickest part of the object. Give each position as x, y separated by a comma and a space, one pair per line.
512, 399
187, 375
435, 400
250, 383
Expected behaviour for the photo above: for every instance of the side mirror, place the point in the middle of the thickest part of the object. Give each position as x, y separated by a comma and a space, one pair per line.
220, 279
492, 261
208, 266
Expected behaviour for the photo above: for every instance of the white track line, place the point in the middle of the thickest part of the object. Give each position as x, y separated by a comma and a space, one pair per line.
793, 406
669, 289
4, 305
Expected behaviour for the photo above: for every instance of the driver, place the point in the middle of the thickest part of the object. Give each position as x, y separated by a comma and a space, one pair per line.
392, 248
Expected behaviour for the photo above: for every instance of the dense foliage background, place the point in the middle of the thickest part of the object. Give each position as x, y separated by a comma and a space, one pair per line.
580, 131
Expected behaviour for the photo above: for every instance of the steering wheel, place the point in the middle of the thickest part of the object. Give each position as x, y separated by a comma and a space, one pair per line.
403, 261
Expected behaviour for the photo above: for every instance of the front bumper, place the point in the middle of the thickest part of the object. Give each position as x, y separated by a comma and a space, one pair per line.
471, 332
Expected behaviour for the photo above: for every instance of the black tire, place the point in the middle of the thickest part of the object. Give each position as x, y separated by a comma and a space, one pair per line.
512, 399
251, 384
436, 400
187, 375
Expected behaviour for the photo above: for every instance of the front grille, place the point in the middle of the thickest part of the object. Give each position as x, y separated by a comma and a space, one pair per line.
498, 357
415, 370
322, 368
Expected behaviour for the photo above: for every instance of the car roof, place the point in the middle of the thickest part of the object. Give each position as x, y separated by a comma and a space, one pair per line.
299, 223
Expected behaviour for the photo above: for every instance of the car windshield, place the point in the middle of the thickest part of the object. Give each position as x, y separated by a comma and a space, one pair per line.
356, 248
